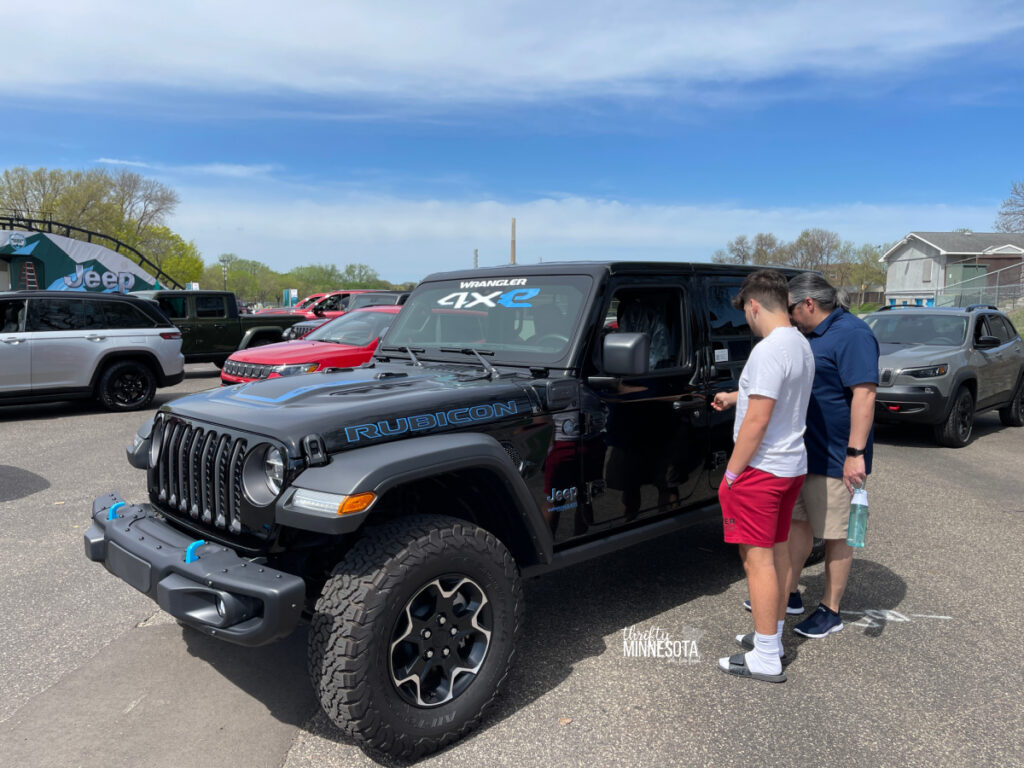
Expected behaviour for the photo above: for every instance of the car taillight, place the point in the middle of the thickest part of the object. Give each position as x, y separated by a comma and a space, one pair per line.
170, 335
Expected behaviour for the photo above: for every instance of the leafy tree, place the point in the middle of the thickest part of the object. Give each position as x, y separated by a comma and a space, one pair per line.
1011, 212
361, 276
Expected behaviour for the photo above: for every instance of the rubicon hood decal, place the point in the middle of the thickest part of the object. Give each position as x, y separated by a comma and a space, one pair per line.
362, 406
422, 422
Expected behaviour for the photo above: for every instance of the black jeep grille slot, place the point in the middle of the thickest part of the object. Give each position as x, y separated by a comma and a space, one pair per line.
200, 474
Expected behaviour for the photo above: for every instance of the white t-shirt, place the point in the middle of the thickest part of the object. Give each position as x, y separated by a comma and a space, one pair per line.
781, 367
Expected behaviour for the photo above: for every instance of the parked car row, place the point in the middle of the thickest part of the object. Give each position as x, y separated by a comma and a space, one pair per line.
938, 366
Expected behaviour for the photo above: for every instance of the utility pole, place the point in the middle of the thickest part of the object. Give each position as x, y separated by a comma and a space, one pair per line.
513, 260
476, 258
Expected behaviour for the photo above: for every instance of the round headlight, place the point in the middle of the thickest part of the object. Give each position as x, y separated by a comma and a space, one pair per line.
156, 438
273, 466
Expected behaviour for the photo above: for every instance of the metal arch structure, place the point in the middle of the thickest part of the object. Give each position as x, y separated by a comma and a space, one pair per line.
14, 221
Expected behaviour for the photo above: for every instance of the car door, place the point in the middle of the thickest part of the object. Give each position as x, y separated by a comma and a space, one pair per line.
212, 322
643, 436
1006, 357
15, 355
727, 342
67, 337
987, 364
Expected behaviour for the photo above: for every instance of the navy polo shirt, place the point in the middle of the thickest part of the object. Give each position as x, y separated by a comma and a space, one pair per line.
845, 354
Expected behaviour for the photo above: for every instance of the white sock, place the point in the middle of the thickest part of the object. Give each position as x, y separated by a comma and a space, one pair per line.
778, 639
764, 659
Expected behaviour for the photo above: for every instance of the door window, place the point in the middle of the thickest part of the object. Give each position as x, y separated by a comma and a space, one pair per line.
656, 312
731, 338
56, 315
999, 328
12, 315
210, 306
122, 315
173, 306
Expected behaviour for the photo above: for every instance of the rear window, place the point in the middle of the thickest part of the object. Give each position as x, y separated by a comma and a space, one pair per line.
120, 314
210, 306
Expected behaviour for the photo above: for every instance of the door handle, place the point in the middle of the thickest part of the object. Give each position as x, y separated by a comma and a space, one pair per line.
95, 338
13, 341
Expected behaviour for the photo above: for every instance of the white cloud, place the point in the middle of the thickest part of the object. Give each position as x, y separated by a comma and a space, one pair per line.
406, 239
223, 170
472, 51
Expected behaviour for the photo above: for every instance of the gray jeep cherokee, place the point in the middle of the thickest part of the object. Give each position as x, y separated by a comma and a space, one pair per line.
943, 366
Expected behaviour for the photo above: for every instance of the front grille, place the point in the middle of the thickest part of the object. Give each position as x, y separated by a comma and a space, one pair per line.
199, 474
247, 370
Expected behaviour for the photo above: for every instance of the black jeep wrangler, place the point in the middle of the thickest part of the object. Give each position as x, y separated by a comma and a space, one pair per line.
513, 421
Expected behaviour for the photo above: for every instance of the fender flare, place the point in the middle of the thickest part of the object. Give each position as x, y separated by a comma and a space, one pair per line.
379, 468
261, 330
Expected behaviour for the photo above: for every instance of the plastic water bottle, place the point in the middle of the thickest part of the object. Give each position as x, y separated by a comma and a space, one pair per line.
856, 533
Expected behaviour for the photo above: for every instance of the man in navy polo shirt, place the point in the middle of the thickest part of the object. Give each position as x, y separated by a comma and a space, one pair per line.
839, 435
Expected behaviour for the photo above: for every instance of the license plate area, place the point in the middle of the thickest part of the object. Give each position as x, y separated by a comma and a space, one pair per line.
128, 567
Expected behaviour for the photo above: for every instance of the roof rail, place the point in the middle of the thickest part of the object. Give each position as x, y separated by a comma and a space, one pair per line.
888, 307
973, 307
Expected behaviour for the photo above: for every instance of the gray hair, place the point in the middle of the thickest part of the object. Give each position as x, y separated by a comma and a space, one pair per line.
812, 285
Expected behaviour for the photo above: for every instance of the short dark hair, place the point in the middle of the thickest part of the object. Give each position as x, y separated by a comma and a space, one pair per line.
768, 286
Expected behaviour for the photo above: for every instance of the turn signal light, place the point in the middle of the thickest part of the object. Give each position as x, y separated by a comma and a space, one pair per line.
356, 503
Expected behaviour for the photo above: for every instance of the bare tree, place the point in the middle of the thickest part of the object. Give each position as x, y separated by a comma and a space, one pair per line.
1011, 212
141, 202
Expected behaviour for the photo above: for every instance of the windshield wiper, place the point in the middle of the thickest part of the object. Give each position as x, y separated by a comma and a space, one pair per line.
408, 350
492, 372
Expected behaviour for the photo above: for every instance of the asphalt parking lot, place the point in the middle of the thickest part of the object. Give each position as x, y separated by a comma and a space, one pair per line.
928, 671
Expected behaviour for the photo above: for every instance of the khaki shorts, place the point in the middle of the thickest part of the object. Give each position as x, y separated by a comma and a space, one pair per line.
825, 503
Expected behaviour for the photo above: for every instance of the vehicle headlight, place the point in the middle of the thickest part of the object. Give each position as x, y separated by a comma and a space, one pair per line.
157, 439
263, 474
929, 372
273, 467
293, 370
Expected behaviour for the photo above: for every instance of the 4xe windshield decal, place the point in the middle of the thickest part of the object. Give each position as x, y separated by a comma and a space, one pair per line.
519, 297
424, 421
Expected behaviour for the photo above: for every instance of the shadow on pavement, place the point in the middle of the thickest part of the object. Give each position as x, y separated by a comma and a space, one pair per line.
568, 615
17, 483
872, 587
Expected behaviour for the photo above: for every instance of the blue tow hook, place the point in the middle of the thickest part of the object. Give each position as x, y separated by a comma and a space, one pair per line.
190, 551
112, 512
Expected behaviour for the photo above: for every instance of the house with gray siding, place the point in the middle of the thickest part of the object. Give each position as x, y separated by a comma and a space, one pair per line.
954, 268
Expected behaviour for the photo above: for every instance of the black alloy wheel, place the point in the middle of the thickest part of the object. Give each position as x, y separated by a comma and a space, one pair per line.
955, 431
127, 385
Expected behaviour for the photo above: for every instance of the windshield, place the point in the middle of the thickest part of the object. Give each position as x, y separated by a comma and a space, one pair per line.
908, 328
531, 319
355, 328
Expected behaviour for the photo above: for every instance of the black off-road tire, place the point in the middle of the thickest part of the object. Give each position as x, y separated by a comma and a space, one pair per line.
1013, 414
955, 431
361, 634
127, 385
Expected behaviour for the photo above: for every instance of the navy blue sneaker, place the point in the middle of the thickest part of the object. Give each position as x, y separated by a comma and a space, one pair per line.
822, 623
794, 607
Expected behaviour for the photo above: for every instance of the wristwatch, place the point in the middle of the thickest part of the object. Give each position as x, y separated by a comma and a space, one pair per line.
851, 451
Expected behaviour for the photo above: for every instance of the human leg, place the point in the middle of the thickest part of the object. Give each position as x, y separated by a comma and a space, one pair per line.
838, 563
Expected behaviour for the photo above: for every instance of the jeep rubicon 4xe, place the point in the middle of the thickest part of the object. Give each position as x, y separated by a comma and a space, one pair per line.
512, 421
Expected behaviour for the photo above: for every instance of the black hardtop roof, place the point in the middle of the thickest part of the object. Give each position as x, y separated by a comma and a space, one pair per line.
599, 268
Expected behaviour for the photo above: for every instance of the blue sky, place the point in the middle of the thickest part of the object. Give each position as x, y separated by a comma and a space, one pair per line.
404, 136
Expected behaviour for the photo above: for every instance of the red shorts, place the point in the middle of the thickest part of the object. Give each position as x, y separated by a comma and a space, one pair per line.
757, 509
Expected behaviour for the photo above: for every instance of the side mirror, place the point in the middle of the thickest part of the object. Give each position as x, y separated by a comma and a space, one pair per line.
987, 342
626, 354
318, 311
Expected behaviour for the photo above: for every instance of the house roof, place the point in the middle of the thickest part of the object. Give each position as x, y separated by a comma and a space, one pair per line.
965, 243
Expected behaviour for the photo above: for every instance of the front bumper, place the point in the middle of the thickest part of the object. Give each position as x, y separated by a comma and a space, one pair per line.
924, 404
218, 592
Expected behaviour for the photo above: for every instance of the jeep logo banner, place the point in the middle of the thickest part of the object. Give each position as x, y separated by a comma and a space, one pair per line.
422, 422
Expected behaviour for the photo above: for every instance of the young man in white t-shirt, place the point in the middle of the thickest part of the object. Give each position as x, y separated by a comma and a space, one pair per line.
767, 465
